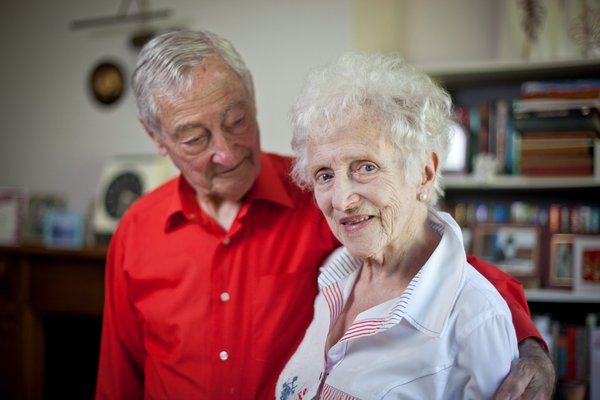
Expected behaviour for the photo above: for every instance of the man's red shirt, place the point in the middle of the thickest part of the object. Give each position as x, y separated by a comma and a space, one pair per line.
195, 312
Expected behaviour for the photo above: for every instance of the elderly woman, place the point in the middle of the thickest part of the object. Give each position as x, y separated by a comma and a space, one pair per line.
400, 313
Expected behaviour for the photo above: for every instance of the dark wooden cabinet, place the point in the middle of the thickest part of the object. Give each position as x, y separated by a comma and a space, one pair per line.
51, 304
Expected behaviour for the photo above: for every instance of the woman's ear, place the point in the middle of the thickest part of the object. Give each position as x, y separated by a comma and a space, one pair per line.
431, 168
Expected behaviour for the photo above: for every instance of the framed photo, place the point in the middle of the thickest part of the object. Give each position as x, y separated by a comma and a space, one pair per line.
12, 212
39, 205
561, 261
586, 264
63, 228
512, 248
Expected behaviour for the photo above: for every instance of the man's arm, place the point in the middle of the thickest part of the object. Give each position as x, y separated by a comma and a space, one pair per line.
120, 366
533, 375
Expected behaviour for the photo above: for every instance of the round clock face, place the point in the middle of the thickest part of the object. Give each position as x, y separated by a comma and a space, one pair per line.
107, 83
121, 193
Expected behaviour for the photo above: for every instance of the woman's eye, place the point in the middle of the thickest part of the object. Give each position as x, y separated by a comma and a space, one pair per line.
323, 177
367, 168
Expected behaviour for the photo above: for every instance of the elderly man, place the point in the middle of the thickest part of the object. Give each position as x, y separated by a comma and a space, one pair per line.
211, 278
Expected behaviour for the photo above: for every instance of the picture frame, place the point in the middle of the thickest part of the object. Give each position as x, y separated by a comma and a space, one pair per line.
561, 261
514, 248
39, 205
63, 228
12, 212
586, 263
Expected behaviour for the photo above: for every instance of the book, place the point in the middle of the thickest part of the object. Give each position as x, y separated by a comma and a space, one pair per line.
572, 134
558, 120
557, 171
484, 128
474, 127
564, 89
533, 87
561, 161
588, 93
546, 105
594, 355
532, 147
557, 142
501, 116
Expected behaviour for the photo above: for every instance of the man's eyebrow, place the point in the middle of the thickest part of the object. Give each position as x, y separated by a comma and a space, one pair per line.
231, 106
180, 129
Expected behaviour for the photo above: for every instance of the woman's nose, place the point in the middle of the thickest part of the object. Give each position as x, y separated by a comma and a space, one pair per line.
344, 196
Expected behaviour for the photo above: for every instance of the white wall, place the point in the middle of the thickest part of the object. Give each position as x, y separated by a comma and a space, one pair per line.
54, 138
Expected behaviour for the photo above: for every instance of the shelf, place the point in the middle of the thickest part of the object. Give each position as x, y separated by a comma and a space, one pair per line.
471, 74
457, 182
560, 296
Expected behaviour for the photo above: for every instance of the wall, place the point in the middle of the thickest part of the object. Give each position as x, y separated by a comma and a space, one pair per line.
429, 31
54, 138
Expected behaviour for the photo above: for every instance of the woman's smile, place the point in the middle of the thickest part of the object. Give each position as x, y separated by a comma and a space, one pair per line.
355, 222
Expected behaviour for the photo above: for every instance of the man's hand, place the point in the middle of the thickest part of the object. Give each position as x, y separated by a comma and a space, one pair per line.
531, 377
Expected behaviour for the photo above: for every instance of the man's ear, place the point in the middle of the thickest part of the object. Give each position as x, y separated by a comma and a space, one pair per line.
156, 138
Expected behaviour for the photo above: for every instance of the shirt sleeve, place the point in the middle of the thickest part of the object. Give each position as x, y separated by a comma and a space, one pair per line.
512, 292
492, 344
120, 369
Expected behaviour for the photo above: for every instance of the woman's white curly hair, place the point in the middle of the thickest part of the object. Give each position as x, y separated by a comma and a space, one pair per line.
416, 112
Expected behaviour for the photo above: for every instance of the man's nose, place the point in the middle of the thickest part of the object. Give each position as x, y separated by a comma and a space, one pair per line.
222, 150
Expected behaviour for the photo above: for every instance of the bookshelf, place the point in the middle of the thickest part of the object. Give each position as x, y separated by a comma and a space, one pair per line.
485, 73
535, 200
510, 182
561, 296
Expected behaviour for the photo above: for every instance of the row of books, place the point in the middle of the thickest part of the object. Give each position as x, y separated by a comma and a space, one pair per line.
559, 126
488, 129
575, 349
552, 129
556, 218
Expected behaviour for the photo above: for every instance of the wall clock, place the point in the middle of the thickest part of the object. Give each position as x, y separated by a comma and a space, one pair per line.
123, 180
107, 83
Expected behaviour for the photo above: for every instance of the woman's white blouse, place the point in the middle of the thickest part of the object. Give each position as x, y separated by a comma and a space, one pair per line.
449, 336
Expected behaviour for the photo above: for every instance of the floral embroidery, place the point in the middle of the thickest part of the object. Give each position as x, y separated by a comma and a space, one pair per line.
289, 388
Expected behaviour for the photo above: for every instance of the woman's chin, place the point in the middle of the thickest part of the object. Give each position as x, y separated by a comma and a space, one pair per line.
360, 250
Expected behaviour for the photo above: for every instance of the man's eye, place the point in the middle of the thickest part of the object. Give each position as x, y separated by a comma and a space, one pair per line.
195, 140
191, 141
236, 124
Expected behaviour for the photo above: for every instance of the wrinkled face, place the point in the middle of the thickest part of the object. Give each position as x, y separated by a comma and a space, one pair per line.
211, 134
359, 186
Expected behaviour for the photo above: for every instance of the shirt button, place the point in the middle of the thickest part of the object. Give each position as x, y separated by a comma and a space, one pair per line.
226, 241
225, 297
223, 356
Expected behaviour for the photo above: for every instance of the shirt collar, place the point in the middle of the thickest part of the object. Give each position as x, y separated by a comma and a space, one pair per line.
437, 284
269, 186
429, 297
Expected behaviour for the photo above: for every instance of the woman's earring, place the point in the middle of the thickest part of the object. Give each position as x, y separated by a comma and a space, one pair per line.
423, 196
